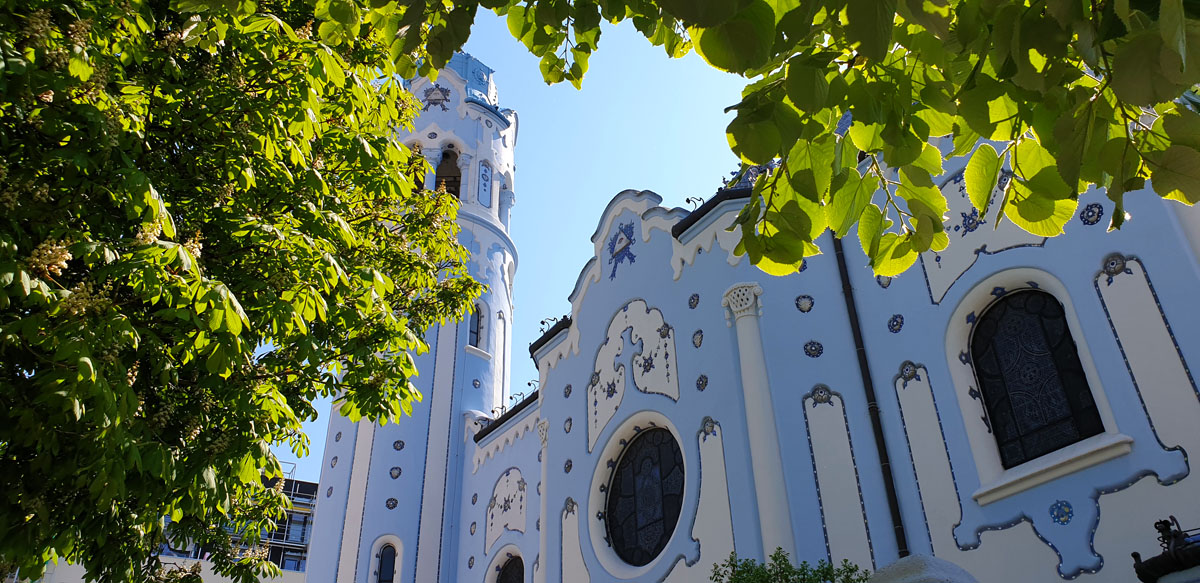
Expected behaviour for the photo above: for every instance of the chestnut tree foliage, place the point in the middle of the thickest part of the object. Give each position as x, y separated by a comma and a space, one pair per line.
206, 222
1067, 94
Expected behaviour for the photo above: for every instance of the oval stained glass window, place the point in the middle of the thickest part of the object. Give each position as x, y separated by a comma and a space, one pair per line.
645, 496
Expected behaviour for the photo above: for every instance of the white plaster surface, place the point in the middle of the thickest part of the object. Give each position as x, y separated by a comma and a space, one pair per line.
433, 496
1165, 387
841, 502
991, 561
654, 368
939, 497
494, 444
506, 509
962, 255
714, 521
573, 567
355, 505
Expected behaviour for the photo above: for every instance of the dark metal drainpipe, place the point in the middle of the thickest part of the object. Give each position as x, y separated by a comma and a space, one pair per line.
885, 461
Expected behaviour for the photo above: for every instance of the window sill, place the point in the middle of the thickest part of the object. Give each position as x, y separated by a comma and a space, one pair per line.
1077, 456
477, 352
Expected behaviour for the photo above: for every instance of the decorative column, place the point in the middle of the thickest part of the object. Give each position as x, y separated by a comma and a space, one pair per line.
539, 575
434, 157
464, 172
507, 199
766, 462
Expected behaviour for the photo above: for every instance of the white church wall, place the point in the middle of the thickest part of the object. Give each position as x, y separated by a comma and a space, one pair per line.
651, 344
1076, 536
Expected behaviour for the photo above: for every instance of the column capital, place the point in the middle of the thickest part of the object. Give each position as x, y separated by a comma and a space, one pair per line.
434, 155
742, 300
464, 163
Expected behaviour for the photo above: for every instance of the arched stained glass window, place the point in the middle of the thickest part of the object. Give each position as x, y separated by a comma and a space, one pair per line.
387, 564
645, 497
512, 572
1033, 386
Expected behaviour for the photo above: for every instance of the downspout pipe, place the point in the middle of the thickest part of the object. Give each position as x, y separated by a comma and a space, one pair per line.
885, 461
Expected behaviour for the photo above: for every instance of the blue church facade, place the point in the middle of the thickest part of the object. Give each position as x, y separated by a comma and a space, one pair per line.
1020, 406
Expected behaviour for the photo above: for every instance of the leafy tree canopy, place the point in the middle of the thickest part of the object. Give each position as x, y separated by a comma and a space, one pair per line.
206, 222
1066, 93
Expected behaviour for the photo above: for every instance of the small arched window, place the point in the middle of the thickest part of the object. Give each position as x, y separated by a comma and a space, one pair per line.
448, 175
474, 327
1033, 385
387, 564
512, 572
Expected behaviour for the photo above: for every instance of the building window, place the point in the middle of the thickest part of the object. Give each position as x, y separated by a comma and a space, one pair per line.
297, 528
448, 175
387, 564
475, 327
293, 561
645, 497
512, 572
1033, 385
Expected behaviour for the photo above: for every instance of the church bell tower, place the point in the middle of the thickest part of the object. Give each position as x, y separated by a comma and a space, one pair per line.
384, 488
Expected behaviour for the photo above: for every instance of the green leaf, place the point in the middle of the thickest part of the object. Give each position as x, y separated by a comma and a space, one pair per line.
758, 132
870, 226
248, 471
1039, 201
981, 175
209, 475
867, 137
704, 13
1176, 174
86, 369
847, 203
806, 85
1120, 159
810, 165
1139, 66
1183, 127
741, 43
894, 256
1172, 27
930, 160
900, 146
1036, 208
870, 25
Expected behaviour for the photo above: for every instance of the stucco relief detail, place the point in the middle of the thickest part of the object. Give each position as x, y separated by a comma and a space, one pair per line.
712, 525
943, 269
742, 300
485, 184
506, 510
653, 365
493, 445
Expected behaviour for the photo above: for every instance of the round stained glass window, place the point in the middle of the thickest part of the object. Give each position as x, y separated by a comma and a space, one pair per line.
645, 496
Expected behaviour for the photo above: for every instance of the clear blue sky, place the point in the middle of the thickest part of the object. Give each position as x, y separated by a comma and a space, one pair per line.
641, 121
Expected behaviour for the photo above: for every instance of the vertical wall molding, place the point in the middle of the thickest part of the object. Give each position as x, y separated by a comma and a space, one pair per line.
356, 501
775, 517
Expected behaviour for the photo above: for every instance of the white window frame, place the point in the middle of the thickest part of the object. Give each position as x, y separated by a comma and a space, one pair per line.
996, 482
